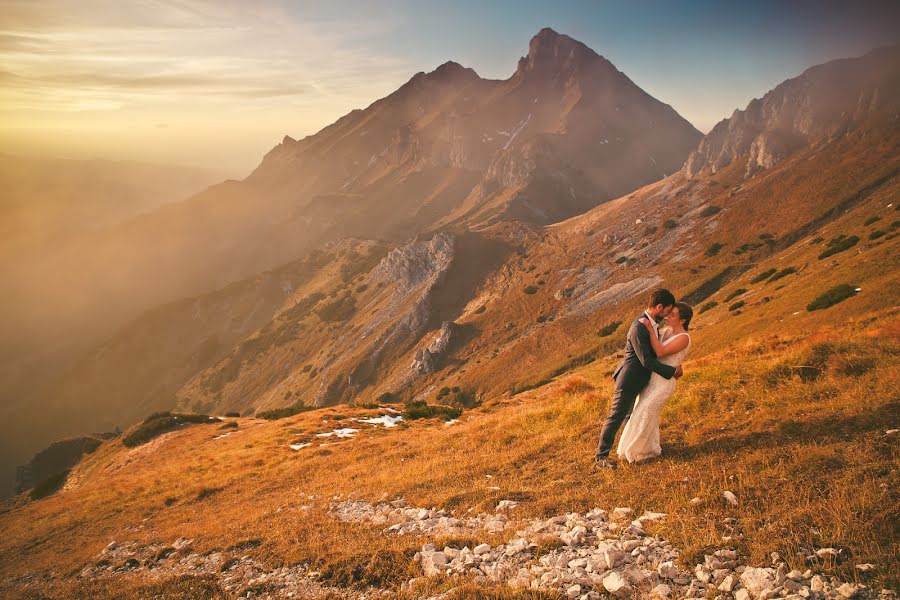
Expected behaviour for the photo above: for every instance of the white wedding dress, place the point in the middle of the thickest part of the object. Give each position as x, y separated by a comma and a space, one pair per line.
640, 438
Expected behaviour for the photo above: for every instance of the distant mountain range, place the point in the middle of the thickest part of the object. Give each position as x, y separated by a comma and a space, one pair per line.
463, 233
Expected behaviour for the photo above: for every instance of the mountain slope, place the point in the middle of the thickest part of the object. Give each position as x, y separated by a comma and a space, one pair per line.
538, 309
540, 146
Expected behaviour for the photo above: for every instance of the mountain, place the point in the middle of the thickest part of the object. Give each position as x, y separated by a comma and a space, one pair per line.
47, 201
510, 305
824, 103
564, 133
512, 327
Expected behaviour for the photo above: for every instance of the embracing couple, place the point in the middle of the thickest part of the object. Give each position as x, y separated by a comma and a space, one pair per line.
645, 380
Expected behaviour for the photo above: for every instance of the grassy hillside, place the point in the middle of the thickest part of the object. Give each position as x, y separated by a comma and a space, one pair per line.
778, 421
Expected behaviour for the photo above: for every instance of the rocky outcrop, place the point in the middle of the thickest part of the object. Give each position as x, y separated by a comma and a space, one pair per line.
822, 103
427, 360
56, 458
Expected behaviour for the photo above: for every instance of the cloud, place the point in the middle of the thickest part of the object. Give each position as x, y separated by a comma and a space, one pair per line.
58, 55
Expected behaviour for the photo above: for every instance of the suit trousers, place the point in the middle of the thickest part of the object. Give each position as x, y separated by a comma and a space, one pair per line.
624, 394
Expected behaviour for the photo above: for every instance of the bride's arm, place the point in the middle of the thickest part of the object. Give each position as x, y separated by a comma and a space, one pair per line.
667, 349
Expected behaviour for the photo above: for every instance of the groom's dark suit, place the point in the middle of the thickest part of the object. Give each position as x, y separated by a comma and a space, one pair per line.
631, 377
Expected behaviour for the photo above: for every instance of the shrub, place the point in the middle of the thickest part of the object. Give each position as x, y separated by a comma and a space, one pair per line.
232, 415
818, 240
710, 286
833, 296
229, 425
839, 244
650, 230
877, 234
708, 306
735, 294
338, 310
361, 288
159, 423
480, 309
782, 273
541, 318
710, 210
280, 413
670, 224
714, 249
530, 289
870, 220
621, 260
609, 329
737, 305
763, 276
420, 409
387, 398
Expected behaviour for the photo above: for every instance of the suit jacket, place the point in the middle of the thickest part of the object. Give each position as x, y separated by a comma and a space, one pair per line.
640, 360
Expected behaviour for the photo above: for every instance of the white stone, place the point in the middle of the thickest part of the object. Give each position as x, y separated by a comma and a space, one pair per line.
661, 591
730, 498
616, 584
727, 584
574, 591
434, 563
695, 501
847, 590
667, 570
757, 580
865, 567
742, 594
481, 549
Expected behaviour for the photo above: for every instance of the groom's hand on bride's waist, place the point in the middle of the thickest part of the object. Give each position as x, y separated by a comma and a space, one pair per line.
678, 372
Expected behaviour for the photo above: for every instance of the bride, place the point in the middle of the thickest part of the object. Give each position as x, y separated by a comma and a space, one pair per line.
640, 438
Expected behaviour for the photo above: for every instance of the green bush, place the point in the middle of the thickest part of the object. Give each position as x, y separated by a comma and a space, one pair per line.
782, 273
480, 309
159, 423
621, 260
541, 318
870, 220
877, 234
763, 276
670, 224
708, 306
530, 289
710, 210
387, 398
232, 415
609, 329
650, 230
714, 249
338, 310
737, 305
735, 294
839, 244
281, 413
833, 296
420, 409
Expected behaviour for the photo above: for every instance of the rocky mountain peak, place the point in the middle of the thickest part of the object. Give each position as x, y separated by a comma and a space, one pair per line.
550, 52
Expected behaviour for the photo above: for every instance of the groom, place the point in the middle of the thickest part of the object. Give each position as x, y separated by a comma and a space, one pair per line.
634, 373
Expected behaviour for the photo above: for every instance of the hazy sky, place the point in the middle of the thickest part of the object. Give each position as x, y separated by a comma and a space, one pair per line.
219, 82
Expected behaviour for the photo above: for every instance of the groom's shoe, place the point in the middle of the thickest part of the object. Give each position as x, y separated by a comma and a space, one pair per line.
602, 462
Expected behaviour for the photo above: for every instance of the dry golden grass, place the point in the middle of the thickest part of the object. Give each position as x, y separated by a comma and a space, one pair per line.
805, 451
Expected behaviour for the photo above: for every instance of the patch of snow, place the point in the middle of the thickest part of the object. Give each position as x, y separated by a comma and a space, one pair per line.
386, 420
389, 409
517, 131
300, 446
450, 422
345, 432
219, 437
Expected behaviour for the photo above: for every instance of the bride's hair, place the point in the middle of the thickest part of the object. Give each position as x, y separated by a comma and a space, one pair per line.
685, 312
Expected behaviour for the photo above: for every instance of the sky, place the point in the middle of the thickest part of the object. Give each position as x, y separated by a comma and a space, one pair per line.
218, 83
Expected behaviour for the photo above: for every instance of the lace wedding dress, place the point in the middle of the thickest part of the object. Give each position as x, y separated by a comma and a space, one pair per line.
640, 438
